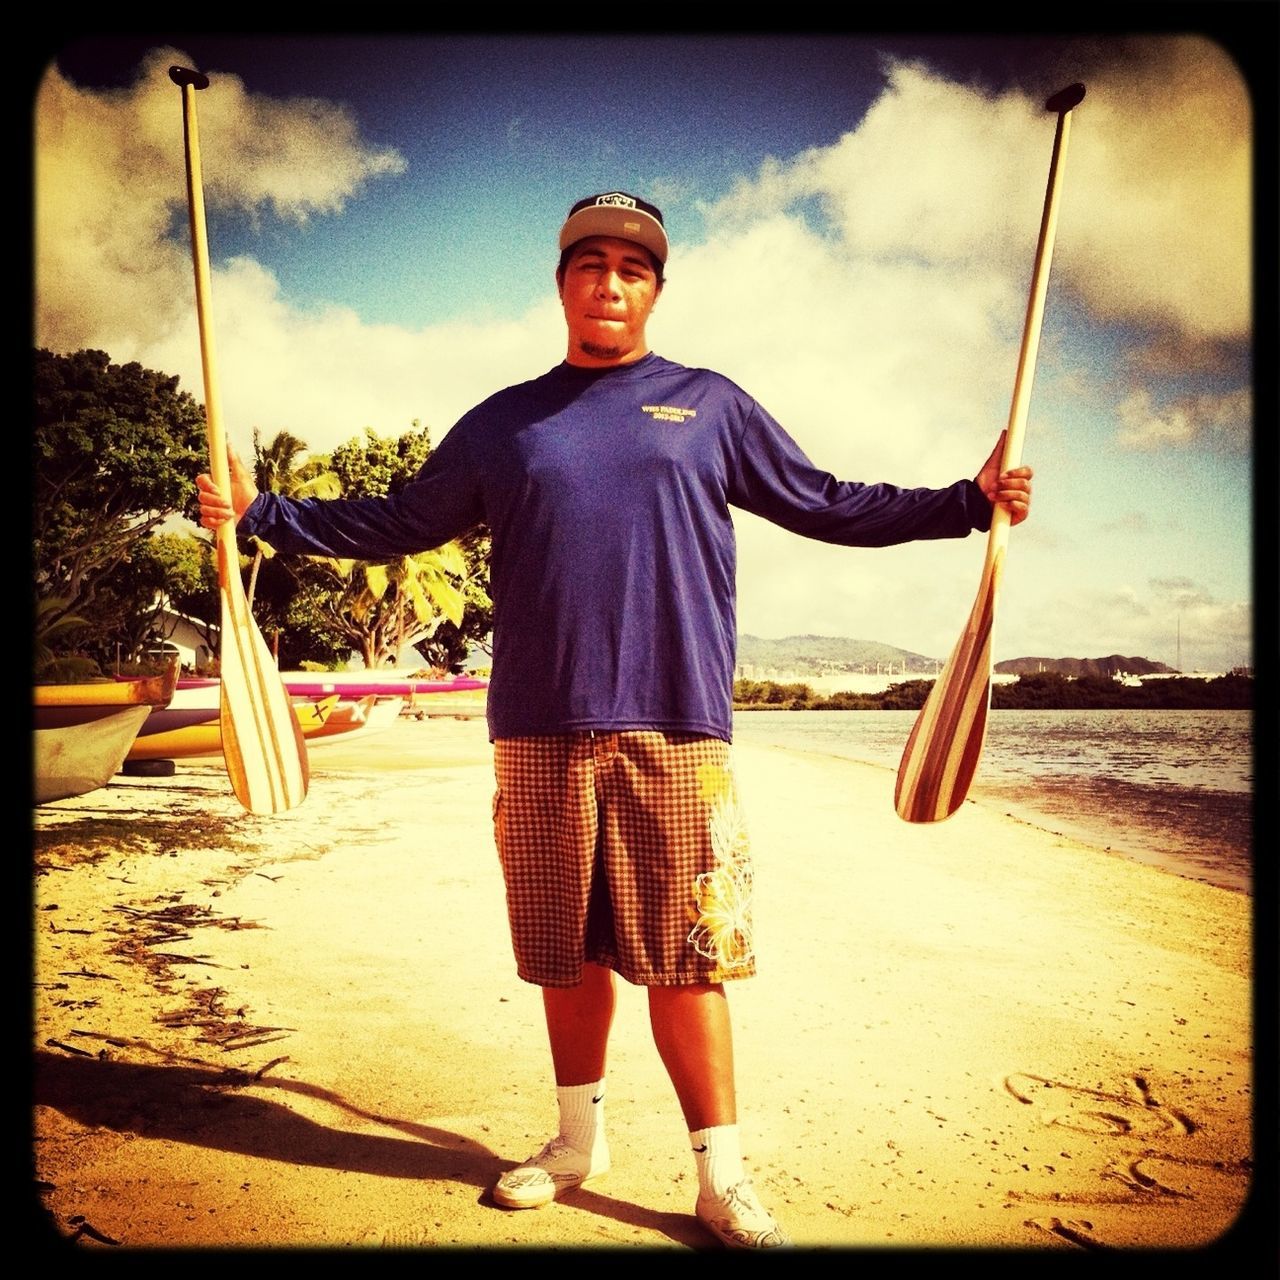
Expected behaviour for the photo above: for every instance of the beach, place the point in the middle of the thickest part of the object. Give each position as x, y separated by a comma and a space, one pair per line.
305, 1030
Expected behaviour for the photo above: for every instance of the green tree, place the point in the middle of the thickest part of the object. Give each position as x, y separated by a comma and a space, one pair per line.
447, 648
909, 695
130, 598
378, 609
164, 570
189, 570
54, 638
116, 449
378, 465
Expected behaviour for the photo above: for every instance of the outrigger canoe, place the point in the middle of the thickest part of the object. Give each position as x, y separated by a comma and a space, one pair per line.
350, 685
358, 715
382, 684
189, 728
149, 691
194, 728
83, 732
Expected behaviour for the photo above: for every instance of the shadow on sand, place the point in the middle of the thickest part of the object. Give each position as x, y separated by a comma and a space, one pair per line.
202, 1106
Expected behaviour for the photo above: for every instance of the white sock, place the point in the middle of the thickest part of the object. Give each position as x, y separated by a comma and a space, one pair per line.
719, 1158
581, 1114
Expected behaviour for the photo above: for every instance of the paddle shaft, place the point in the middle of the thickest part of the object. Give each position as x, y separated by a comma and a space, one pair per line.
218, 466
942, 753
998, 537
263, 744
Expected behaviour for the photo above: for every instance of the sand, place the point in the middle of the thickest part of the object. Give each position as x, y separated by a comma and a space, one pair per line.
306, 1030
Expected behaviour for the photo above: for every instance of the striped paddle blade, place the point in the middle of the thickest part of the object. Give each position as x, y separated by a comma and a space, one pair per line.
942, 753
263, 745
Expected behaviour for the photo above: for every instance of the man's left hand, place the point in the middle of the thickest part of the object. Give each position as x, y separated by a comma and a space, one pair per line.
1009, 489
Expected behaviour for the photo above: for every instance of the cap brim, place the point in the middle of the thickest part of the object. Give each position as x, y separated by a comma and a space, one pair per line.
618, 223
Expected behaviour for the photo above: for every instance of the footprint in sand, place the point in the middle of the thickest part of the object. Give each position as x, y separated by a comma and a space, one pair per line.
1133, 1110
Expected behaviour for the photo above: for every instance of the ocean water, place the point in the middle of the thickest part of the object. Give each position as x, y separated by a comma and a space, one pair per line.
1171, 788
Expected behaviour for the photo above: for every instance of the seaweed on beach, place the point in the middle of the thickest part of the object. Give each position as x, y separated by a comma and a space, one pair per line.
88, 843
169, 922
144, 931
90, 839
215, 1025
148, 935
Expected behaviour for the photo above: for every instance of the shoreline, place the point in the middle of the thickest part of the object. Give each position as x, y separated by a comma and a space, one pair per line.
1197, 832
1016, 802
257, 1032
1020, 804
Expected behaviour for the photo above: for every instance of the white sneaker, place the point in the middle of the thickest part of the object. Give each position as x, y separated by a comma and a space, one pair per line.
739, 1221
557, 1168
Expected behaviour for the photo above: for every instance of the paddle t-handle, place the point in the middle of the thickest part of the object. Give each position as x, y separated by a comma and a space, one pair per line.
1066, 99
186, 76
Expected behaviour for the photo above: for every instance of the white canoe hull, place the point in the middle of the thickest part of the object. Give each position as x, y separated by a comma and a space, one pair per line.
73, 759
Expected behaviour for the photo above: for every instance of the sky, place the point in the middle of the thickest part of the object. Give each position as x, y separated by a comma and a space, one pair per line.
853, 220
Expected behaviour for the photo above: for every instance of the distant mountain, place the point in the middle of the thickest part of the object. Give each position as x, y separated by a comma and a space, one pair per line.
833, 655
1105, 667
828, 655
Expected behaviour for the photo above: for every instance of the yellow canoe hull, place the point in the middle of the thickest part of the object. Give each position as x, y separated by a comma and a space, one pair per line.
205, 737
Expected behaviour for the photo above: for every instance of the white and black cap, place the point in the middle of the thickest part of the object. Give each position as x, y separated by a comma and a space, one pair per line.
617, 214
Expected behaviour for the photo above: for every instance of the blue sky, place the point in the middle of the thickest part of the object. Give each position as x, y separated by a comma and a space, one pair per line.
853, 222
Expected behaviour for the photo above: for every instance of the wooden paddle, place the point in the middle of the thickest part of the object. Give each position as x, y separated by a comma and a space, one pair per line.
262, 742
945, 745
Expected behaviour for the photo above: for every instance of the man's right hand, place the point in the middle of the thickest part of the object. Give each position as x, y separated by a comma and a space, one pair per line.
215, 508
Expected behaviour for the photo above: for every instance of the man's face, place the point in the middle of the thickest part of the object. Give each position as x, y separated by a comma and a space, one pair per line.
609, 288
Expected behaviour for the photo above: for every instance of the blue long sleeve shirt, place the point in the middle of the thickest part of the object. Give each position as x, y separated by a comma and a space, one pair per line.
608, 496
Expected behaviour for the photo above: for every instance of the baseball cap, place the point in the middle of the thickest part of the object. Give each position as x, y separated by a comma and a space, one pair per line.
615, 213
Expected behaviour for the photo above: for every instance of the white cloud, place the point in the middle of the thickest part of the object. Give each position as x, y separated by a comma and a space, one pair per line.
324, 374
1160, 191
1134, 619
1221, 420
976, 200
1156, 186
110, 182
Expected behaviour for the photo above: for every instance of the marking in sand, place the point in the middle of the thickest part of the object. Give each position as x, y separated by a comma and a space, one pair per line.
1132, 1114
1086, 1110
1071, 1230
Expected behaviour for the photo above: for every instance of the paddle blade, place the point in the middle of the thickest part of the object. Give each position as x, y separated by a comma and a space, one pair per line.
942, 753
262, 741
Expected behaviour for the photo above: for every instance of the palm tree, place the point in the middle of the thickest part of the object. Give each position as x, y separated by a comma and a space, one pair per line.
276, 470
53, 621
275, 466
382, 608
378, 609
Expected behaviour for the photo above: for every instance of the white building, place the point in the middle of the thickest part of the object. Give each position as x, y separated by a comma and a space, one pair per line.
186, 636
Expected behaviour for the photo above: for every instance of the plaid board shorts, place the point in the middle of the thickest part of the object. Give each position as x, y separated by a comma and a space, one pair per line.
627, 850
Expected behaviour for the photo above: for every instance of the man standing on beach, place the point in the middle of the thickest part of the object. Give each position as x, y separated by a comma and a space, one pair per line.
607, 485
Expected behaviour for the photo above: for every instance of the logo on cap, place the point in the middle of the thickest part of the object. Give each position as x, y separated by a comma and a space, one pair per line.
615, 213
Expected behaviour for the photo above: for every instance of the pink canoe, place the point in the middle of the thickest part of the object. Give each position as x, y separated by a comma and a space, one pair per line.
358, 684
